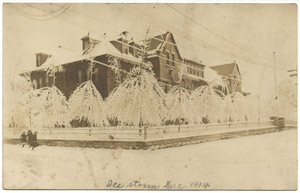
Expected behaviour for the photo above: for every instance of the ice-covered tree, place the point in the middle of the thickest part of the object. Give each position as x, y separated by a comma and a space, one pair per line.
86, 103
138, 100
280, 107
228, 108
208, 105
50, 108
115, 63
18, 102
49, 105
178, 105
285, 105
288, 90
241, 108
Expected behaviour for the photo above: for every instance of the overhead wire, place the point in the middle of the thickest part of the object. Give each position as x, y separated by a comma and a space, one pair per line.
176, 31
158, 39
205, 46
216, 34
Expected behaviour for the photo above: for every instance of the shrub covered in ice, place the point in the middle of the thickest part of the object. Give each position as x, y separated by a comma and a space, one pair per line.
208, 104
49, 108
17, 103
137, 101
86, 104
178, 105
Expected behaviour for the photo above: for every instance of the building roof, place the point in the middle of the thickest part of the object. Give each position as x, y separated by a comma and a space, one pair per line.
211, 75
60, 57
157, 43
225, 69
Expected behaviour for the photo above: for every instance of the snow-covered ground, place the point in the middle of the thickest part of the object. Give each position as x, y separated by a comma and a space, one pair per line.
255, 162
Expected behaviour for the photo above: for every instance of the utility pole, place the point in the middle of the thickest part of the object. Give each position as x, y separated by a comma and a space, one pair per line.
259, 96
275, 77
276, 97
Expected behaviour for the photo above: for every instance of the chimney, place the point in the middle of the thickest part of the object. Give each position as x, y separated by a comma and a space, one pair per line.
41, 58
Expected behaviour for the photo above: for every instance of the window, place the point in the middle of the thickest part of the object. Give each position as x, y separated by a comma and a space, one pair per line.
135, 51
124, 47
173, 59
198, 71
79, 76
83, 75
34, 82
168, 57
47, 80
87, 73
201, 71
189, 70
95, 75
41, 82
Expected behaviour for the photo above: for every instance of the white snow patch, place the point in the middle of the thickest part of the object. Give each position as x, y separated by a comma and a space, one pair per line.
255, 162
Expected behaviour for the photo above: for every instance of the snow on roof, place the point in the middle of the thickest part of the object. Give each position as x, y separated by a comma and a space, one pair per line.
61, 57
58, 57
224, 69
211, 75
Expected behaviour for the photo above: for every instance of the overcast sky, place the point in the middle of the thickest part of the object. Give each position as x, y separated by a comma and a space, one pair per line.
213, 33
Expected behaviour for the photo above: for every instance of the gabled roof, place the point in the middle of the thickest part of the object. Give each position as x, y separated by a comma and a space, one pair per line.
225, 69
155, 43
158, 42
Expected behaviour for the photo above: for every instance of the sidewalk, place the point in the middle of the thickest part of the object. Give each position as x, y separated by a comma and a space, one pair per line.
161, 140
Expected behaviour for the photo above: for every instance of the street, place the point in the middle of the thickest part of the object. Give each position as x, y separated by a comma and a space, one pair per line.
254, 162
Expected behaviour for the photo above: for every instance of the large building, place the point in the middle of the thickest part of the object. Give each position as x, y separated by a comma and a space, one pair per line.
231, 75
161, 52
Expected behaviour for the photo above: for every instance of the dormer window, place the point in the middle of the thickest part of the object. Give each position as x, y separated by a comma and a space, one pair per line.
38, 59
85, 44
88, 41
41, 58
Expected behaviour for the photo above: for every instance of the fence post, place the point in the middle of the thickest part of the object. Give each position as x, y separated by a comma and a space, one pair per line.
145, 132
90, 132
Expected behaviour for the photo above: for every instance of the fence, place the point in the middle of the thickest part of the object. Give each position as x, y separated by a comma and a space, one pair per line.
131, 133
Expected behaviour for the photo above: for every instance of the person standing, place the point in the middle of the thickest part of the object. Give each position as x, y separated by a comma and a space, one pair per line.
34, 140
23, 138
29, 138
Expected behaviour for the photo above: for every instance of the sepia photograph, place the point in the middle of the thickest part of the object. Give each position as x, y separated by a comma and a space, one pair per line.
149, 96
